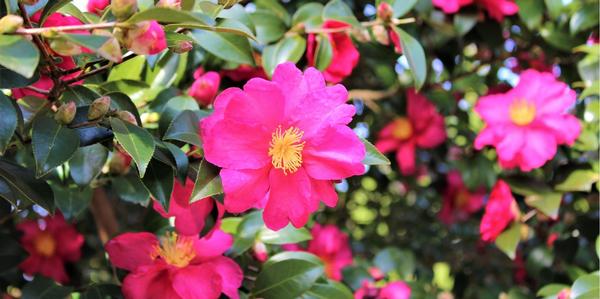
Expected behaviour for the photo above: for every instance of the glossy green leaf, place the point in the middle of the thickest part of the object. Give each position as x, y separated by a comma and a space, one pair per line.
53, 144
19, 55
92, 42
130, 70
208, 182
548, 203
554, 7
8, 121
131, 189
331, 289
307, 12
246, 232
551, 289
11, 79
290, 48
71, 200
338, 10
269, 27
81, 95
167, 15
275, 7
400, 7
531, 12
25, 186
415, 55
181, 161
558, 38
44, 288
138, 143
373, 156
50, 7
286, 235
227, 46
463, 23
578, 180
238, 13
584, 18
509, 239
159, 181
586, 285
288, 278
324, 52
393, 259
184, 128
227, 26
121, 101
87, 163
11, 253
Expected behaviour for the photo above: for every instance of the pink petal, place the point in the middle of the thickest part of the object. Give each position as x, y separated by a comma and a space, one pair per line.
325, 191
511, 143
131, 250
262, 104
565, 128
387, 145
197, 282
244, 189
290, 199
539, 148
231, 275
434, 134
212, 245
149, 282
395, 290
493, 109
406, 158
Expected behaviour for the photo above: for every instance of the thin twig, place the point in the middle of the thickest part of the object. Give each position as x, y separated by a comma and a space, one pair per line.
33, 31
529, 215
362, 24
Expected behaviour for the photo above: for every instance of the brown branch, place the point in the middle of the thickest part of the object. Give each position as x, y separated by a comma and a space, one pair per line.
33, 31
104, 215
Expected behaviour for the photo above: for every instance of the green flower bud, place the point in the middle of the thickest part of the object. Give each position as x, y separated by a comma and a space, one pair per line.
99, 108
10, 23
127, 116
66, 113
123, 9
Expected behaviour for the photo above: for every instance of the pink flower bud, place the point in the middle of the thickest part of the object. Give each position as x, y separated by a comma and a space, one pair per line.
10, 23
205, 88
127, 116
182, 46
147, 38
381, 35
174, 4
385, 12
376, 273
260, 251
97, 6
123, 9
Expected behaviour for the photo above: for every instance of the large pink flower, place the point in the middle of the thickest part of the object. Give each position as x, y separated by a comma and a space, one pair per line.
392, 290
497, 9
282, 143
527, 123
500, 210
424, 128
332, 246
176, 267
345, 55
459, 202
189, 218
50, 242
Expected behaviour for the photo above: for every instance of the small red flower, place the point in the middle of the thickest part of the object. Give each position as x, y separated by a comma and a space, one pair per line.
423, 128
497, 9
500, 210
244, 72
205, 88
50, 242
459, 202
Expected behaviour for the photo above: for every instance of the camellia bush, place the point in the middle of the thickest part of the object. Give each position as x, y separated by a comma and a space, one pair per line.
299, 149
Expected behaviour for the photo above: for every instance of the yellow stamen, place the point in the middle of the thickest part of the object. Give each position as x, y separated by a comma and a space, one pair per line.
402, 128
175, 250
521, 112
285, 149
462, 198
45, 244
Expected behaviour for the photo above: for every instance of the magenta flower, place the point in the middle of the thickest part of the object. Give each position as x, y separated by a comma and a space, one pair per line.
97, 6
205, 88
459, 202
147, 38
500, 210
282, 143
189, 218
345, 55
423, 128
527, 123
176, 266
392, 290
497, 9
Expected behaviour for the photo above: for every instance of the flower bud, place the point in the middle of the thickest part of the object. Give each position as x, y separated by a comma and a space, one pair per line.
227, 3
173, 4
66, 113
360, 34
97, 6
182, 46
385, 12
381, 35
127, 116
205, 88
119, 162
10, 23
63, 47
260, 251
123, 9
147, 38
111, 49
99, 108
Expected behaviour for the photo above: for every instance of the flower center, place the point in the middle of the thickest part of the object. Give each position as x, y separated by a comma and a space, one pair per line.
522, 112
402, 128
175, 250
462, 198
45, 244
285, 149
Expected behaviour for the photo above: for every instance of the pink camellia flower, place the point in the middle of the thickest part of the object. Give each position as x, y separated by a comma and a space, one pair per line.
527, 123
205, 88
392, 290
332, 246
459, 202
500, 210
497, 9
345, 55
176, 266
189, 218
147, 38
423, 128
282, 143
97, 6
50, 242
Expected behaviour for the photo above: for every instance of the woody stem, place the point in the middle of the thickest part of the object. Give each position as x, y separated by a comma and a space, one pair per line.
41, 30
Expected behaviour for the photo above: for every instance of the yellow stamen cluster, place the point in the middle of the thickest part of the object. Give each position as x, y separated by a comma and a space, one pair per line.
521, 112
175, 250
45, 244
285, 149
402, 128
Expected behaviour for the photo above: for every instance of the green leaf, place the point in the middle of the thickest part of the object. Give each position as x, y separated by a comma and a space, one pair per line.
324, 52
227, 46
275, 7
184, 128
226, 26
331, 289
25, 186
8, 121
463, 23
415, 55
167, 15
11, 79
247, 230
19, 55
508, 240
287, 278
307, 12
80, 95
578, 180
286, 235
531, 12
53, 144
173, 108
50, 7
290, 48
584, 18
598, 246
208, 182
138, 143
338, 10
558, 38
11, 253
238, 13
92, 42
584, 285
131, 189
45, 288
551, 290
87, 163
269, 27
547, 203
373, 156
181, 161
159, 181
393, 259
400, 7
554, 8
121, 101
71, 201
128, 70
